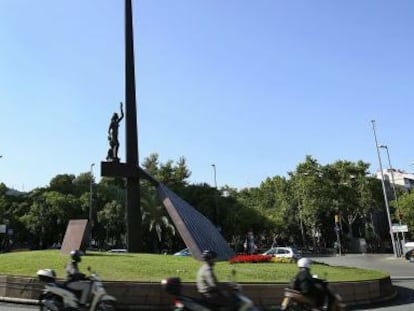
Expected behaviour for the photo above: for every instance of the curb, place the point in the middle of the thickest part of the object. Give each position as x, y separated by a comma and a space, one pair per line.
151, 296
22, 301
401, 278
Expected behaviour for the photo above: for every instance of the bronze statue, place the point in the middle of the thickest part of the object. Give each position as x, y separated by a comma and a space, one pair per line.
113, 136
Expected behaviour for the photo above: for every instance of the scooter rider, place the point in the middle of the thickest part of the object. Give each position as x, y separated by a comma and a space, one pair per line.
311, 287
208, 286
76, 280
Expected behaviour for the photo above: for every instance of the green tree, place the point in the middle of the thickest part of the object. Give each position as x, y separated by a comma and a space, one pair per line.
112, 221
406, 204
63, 183
48, 216
82, 183
155, 220
308, 186
108, 200
173, 174
353, 195
275, 197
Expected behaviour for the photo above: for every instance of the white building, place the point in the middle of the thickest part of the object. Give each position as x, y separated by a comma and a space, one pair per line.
401, 178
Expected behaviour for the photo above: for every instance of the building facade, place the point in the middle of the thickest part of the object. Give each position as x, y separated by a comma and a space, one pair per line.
401, 179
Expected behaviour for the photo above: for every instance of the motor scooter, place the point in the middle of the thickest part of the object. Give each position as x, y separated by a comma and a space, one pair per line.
295, 300
183, 302
56, 296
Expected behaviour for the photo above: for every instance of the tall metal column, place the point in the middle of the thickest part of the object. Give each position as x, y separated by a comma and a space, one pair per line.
91, 194
395, 198
384, 190
133, 212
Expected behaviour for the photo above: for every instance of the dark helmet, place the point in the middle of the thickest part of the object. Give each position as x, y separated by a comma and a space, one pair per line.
76, 255
209, 255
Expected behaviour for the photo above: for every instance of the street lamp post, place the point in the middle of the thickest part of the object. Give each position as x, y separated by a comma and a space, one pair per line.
301, 225
215, 175
90, 221
383, 190
391, 171
215, 195
393, 188
90, 194
301, 206
337, 230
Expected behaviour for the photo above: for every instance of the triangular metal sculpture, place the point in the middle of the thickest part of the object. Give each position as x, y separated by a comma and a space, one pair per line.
196, 230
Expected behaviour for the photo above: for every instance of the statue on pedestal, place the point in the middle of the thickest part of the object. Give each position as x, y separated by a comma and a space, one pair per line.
113, 136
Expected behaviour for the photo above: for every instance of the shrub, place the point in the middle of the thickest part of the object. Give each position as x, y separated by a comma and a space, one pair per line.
250, 259
282, 260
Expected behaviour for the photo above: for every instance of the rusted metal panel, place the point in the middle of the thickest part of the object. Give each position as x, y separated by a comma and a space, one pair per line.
76, 236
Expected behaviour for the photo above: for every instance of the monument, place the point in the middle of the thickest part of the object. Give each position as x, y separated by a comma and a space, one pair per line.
197, 232
128, 170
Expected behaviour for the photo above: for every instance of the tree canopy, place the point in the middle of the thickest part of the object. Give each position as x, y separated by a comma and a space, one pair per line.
297, 209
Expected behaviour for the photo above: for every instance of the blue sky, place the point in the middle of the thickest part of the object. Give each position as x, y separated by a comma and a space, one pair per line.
251, 86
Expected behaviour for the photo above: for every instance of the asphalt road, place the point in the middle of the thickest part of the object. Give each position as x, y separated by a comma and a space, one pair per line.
400, 270
17, 307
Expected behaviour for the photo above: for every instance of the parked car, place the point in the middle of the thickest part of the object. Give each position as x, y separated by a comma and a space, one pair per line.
409, 255
409, 250
118, 250
183, 252
283, 252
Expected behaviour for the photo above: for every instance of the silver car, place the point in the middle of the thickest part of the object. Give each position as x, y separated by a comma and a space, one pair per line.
283, 252
183, 252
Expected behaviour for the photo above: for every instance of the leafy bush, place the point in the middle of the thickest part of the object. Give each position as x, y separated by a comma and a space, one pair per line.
282, 260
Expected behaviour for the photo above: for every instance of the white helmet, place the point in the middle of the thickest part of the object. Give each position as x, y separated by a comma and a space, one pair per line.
304, 263
46, 275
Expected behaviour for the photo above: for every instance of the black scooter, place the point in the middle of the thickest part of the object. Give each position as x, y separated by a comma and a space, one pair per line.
295, 300
183, 302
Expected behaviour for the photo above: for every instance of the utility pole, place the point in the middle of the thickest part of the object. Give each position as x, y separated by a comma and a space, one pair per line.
90, 195
215, 175
215, 196
90, 220
384, 190
395, 197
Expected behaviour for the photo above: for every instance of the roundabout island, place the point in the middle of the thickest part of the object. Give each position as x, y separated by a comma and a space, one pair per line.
134, 279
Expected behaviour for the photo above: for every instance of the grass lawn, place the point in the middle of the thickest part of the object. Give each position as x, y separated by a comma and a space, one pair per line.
153, 268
